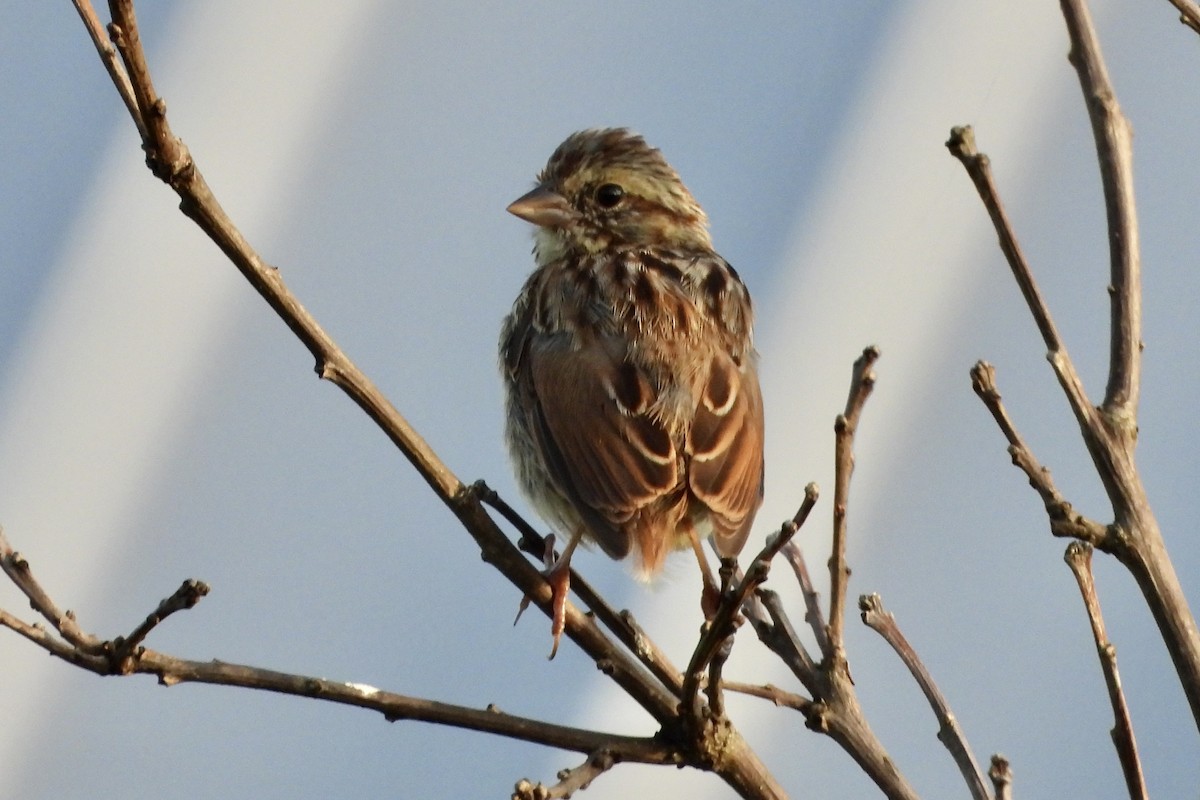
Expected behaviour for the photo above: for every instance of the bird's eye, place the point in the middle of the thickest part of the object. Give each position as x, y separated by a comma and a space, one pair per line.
609, 195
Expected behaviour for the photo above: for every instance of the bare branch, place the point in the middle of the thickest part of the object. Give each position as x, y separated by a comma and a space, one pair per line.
812, 599
716, 669
185, 597
127, 657
569, 780
1110, 432
1189, 13
772, 693
112, 63
166, 155
1079, 558
722, 625
17, 569
169, 159
59, 648
780, 637
861, 384
834, 709
1114, 147
950, 733
396, 707
1064, 519
718, 633
962, 146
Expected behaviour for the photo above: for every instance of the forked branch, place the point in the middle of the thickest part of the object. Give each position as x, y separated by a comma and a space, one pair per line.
719, 630
1064, 519
126, 656
1109, 431
961, 145
834, 708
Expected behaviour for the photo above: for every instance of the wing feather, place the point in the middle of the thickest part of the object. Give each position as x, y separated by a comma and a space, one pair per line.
593, 425
725, 444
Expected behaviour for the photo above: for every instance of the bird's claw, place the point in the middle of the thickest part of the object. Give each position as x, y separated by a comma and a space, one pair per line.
559, 578
558, 574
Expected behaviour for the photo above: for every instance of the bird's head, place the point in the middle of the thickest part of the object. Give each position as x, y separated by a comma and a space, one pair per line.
606, 187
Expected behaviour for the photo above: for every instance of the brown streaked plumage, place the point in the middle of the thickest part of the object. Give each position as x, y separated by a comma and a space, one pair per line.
634, 413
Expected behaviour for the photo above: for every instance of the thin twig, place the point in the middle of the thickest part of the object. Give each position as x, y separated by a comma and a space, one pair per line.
962, 146
834, 709
950, 733
112, 62
1000, 773
569, 780
55, 646
780, 637
117, 658
1189, 13
774, 694
185, 597
395, 707
812, 599
17, 569
1114, 147
861, 384
1079, 558
1110, 432
716, 669
166, 155
722, 625
1064, 519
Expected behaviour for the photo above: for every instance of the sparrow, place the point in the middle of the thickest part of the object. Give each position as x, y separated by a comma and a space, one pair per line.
634, 417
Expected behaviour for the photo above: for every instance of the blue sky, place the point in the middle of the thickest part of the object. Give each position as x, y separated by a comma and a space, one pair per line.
158, 422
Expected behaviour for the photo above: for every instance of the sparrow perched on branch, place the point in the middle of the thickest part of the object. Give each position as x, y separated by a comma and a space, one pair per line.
634, 415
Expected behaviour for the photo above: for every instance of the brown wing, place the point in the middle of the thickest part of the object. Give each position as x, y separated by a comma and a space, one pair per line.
591, 422
726, 448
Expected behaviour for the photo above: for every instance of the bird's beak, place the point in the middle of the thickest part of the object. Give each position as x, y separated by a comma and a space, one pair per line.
544, 208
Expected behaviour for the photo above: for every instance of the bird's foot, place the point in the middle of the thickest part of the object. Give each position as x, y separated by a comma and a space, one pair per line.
558, 574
